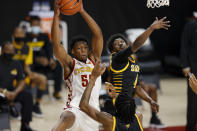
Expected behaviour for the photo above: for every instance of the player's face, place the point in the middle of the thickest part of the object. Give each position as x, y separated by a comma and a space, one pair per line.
119, 44
80, 51
8, 49
35, 23
35, 27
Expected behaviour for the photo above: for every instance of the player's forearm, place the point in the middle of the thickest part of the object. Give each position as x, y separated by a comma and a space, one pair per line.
97, 38
142, 94
27, 70
20, 87
141, 39
84, 103
95, 29
55, 31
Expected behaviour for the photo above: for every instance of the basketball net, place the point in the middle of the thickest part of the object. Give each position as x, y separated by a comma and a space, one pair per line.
157, 3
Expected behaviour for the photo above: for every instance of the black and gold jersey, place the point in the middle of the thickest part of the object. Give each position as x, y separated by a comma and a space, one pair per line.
124, 72
23, 54
133, 126
40, 46
9, 73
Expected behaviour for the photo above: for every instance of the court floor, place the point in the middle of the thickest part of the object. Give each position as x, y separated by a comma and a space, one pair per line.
172, 101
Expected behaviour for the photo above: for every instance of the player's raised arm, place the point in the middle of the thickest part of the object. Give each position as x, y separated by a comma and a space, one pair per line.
104, 118
59, 51
157, 24
97, 38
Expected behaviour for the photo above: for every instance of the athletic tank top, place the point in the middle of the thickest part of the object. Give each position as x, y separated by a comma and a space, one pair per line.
79, 79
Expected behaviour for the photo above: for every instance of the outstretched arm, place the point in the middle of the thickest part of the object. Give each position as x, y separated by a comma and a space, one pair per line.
97, 37
59, 51
157, 24
102, 117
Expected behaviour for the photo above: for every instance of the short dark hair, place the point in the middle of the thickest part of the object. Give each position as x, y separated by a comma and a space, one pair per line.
125, 108
112, 38
4, 44
75, 39
35, 17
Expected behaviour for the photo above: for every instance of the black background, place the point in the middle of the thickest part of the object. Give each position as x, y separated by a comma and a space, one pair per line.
113, 16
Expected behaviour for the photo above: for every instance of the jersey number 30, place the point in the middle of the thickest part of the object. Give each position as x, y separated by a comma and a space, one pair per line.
85, 80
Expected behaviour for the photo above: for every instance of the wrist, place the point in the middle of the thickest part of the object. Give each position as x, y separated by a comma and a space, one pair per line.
82, 11
93, 79
56, 14
151, 28
150, 100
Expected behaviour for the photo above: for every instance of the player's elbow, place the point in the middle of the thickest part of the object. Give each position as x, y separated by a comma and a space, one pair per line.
98, 34
83, 107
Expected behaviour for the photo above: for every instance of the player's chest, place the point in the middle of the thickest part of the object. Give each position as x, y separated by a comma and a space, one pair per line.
81, 68
82, 74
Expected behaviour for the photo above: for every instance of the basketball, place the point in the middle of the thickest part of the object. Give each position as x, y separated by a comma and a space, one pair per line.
70, 7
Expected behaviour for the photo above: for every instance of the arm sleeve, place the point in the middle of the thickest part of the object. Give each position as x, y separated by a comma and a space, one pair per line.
20, 74
122, 56
185, 39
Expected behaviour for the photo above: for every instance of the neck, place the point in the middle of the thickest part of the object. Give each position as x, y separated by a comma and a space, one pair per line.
84, 61
34, 35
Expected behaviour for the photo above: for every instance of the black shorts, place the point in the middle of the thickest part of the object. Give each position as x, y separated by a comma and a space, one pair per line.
133, 126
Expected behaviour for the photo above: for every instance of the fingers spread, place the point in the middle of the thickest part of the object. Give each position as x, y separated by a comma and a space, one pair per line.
163, 18
156, 18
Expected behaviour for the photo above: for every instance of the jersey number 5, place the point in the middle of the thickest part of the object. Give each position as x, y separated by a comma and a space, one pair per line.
85, 80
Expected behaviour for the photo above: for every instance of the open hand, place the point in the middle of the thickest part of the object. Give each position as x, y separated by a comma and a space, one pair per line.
160, 24
81, 9
110, 90
57, 7
99, 69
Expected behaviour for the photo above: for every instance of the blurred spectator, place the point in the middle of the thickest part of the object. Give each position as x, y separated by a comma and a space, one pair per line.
189, 64
12, 72
25, 55
43, 61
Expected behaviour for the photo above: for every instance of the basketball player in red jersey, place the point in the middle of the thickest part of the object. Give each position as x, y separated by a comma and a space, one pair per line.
77, 71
